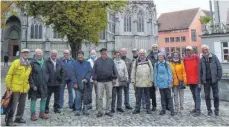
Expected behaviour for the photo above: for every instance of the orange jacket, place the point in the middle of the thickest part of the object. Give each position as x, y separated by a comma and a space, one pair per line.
179, 70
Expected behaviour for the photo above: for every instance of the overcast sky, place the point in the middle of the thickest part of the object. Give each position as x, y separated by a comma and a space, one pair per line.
174, 5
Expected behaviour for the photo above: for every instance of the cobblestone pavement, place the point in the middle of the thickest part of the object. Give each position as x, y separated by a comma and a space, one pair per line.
67, 116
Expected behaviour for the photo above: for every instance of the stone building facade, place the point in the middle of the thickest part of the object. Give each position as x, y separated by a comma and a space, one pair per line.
135, 27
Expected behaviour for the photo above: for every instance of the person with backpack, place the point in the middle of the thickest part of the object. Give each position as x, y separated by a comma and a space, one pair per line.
142, 78
82, 84
179, 80
191, 63
210, 71
68, 65
120, 82
17, 81
163, 80
38, 81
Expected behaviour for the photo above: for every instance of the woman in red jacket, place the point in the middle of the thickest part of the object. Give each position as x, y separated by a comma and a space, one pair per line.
191, 63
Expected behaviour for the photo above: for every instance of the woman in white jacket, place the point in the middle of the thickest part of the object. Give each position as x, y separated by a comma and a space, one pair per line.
121, 80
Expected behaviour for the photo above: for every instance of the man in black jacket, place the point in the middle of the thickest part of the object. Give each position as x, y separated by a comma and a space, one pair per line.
153, 57
104, 75
55, 71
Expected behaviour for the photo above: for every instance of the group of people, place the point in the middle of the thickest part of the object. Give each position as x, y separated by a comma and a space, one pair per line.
40, 78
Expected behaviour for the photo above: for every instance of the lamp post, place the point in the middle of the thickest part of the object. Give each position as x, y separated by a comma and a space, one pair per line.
24, 30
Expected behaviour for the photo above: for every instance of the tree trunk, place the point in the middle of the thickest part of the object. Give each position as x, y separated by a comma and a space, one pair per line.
75, 47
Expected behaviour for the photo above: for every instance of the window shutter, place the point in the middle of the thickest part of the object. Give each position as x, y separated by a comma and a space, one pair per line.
218, 50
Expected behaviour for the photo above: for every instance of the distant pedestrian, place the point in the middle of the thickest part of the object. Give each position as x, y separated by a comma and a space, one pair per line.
38, 85
104, 76
68, 65
164, 81
142, 78
210, 74
121, 82
6, 59
191, 63
179, 81
92, 59
56, 75
82, 84
17, 81
126, 88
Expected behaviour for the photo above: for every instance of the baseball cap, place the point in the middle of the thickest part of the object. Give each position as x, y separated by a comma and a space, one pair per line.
25, 50
189, 47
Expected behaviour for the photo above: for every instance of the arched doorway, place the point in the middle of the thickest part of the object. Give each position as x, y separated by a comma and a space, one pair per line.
11, 45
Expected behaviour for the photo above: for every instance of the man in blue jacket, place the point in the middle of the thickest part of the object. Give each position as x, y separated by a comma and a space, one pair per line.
82, 83
68, 65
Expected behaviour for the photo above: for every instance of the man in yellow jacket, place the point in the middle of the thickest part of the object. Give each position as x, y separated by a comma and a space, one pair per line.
17, 81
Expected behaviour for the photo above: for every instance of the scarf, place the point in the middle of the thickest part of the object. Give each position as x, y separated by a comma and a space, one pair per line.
24, 62
40, 61
176, 60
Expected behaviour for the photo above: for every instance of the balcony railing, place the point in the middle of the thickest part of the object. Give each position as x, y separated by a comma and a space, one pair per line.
215, 28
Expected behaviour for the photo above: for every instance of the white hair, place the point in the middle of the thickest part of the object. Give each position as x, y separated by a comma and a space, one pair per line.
155, 45
204, 46
38, 51
67, 51
53, 51
142, 51
123, 49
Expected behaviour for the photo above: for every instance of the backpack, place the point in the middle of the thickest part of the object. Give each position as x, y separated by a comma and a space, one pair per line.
165, 64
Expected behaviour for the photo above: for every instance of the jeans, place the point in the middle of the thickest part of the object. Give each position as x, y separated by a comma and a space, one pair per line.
126, 95
196, 95
70, 94
178, 98
166, 95
78, 100
215, 90
33, 105
100, 93
140, 92
18, 102
116, 93
56, 91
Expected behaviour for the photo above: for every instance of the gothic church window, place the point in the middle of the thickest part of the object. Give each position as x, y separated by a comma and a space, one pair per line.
140, 22
127, 23
36, 30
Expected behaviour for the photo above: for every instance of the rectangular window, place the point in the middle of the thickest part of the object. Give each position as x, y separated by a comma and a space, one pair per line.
195, 50
177, 39
166, 40
183, 51
102, 35
183, 39
56, 35
178, 49
172, 49
167, 51
171, 39
225, 46
193, 35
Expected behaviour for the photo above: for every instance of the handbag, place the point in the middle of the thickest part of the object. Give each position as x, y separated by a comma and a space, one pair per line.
5, 102
181, 84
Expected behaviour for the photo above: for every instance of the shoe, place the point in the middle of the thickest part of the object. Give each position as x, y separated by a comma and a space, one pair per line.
10, 124
197, 113
209, 113
148, 111
172, 114
129, 107
77, 114
99, 114
109, 114
33, 117
154, 108
47, 111
216, 113
42, 115
193, 111
136, 111
19, 120
113, 110
120, 110
162, 112
56, 111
